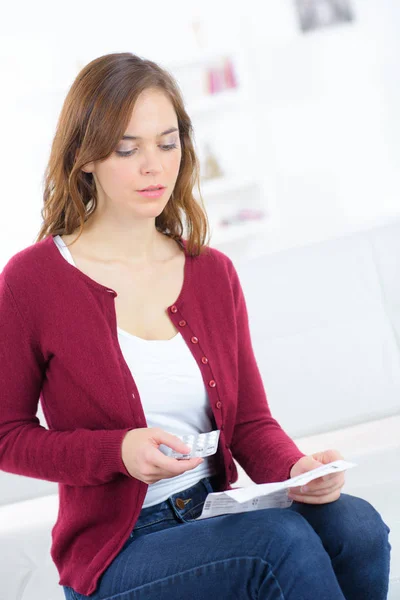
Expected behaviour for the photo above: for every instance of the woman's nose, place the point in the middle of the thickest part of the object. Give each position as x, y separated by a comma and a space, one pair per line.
151, 163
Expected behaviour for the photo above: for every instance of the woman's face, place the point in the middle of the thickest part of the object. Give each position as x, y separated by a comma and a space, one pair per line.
150, 159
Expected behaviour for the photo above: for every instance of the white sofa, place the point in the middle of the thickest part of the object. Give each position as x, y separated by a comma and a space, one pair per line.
375, 447
325, 322
28, 573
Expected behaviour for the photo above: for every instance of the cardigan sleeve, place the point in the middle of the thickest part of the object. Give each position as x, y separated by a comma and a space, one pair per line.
259, 444
81, 457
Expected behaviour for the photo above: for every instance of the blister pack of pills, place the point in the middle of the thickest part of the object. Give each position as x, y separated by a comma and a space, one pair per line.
201, 444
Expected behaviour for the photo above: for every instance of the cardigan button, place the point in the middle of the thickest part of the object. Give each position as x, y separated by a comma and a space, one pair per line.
194, 340
174, 309
182, 323
204, 360
212, 383
218, 404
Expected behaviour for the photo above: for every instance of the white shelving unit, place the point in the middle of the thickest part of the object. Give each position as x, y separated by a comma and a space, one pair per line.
225, 121
239, 232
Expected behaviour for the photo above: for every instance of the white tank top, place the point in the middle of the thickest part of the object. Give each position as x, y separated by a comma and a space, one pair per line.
172, 393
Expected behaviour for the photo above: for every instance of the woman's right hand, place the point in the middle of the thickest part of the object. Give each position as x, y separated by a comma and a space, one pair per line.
143, 460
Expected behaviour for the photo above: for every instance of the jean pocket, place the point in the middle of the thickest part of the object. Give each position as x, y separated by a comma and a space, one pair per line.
193, 512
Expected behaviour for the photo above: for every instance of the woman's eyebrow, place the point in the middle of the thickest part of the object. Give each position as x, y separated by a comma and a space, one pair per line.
136, 137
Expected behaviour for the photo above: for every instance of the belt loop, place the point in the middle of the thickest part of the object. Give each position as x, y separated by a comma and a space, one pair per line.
210, 483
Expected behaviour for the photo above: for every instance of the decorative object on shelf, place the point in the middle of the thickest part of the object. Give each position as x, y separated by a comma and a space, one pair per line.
221, 76
230, 75
314, 14
245, 214
212, 169
198, 33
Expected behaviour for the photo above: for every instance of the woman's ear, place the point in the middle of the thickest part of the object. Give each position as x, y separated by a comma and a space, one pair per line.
88, 168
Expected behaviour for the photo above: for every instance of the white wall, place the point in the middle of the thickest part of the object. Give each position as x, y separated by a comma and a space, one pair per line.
328, 104
327, 101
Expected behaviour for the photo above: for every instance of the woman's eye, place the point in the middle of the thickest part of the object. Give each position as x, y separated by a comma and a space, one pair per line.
130, 152
125, 153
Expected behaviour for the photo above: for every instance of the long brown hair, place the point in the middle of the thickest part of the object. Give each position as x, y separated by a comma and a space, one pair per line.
93, 119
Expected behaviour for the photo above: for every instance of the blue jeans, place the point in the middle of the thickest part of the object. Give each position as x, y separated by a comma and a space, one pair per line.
303, 552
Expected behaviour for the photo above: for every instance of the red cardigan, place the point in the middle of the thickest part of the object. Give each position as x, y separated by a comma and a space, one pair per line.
59, 344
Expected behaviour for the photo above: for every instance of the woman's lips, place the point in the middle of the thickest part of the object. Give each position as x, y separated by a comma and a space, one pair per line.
152, 193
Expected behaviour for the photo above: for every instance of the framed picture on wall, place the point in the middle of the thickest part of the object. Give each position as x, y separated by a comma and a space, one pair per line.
314, 14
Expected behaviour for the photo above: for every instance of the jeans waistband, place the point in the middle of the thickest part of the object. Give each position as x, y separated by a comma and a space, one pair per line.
182, 505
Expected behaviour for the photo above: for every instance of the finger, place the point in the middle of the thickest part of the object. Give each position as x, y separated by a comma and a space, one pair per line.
313, 486
332, 476
316, 493
313, 499
172, 441
333, 479
327, 456
157, 473
173, 466
305, 491
163, 474
321, 483
323, 492
317, 484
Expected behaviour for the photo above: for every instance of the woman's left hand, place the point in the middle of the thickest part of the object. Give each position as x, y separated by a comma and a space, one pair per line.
323, 489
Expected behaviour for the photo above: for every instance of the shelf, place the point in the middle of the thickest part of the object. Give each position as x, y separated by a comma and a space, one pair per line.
224, 185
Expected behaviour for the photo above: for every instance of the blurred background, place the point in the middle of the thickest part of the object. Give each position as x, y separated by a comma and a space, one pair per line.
294, 104
295, 107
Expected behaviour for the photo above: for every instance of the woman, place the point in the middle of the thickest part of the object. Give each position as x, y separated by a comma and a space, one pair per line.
132, 335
